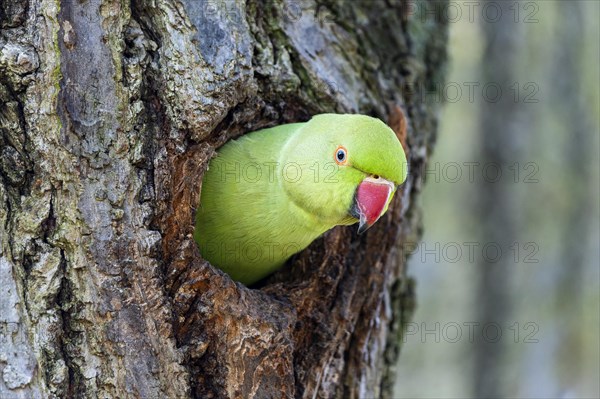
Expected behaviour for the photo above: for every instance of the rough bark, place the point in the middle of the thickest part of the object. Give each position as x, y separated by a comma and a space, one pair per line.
110, 112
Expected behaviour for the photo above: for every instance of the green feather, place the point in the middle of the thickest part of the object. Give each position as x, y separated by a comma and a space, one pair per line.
270, 193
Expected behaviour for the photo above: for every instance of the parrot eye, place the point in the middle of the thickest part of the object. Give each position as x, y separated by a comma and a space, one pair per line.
340, 155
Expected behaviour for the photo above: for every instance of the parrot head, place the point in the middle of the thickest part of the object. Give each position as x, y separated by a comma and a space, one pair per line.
346, 168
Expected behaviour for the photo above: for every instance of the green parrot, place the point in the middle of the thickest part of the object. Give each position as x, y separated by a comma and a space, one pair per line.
270, 193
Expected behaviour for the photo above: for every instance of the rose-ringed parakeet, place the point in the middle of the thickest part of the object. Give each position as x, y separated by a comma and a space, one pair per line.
270, 193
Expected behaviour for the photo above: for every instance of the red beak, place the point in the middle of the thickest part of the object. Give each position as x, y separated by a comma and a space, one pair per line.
370, 199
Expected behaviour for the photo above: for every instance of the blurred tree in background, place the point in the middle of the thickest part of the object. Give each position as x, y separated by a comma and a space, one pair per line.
533, 310
496, 209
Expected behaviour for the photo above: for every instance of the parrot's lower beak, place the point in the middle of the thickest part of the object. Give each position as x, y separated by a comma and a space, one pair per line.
370, 201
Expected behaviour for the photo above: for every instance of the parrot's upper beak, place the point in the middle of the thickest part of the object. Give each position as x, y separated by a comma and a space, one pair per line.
370, 200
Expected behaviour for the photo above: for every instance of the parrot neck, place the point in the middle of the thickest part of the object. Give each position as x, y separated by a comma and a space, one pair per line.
304, 182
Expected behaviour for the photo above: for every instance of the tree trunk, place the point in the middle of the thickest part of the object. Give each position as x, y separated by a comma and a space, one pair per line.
110, 112
579, 153
497, 205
